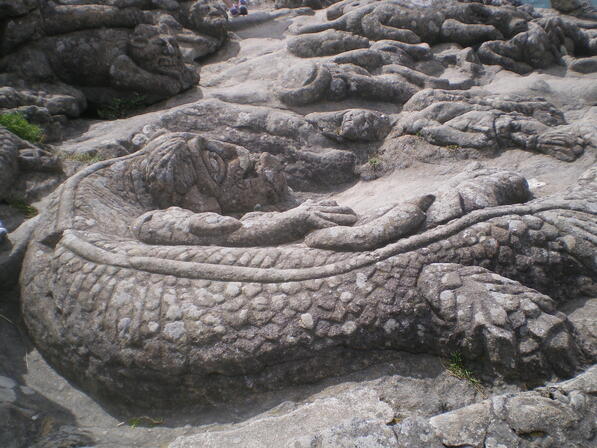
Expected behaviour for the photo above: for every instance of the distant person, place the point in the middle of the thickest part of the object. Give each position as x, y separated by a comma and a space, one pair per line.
3, 232
239, 9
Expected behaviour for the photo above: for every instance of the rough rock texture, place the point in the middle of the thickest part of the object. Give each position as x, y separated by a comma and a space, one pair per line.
384, 47
60, 55
313, 4
215, 312
560, 414
352, 125
325, 312
27, 171
297, 427
487, 122
312, 160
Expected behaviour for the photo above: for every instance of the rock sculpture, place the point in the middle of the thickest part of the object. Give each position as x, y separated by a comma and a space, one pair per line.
20, 159
339, 82
490, 122
147, 296
540, 47
384, 46
560, 413
74, 53
8, 161
352, 125
145, 61
431, 22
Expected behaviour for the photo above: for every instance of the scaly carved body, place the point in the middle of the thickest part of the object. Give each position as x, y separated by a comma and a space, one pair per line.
156, 323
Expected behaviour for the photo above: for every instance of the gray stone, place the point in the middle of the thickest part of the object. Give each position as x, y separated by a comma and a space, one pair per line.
510, 420
352, 124
488, 123
105, 52
566, 5
585, 65
350, 417
161, 212
326, 43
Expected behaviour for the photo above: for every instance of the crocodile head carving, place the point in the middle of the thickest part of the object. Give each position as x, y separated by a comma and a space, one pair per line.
185, 170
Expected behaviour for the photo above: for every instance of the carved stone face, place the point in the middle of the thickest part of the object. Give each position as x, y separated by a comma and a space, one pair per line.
243, 179
209, 17
185, 170
155, 52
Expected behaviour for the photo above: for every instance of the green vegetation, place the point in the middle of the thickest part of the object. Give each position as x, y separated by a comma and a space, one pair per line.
17, 124
144, 421
453, 147
85, 157
374, 163
457, 368
396, 420
121, 107
23, 207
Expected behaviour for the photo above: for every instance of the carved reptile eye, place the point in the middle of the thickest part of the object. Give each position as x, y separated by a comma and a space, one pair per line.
216, 166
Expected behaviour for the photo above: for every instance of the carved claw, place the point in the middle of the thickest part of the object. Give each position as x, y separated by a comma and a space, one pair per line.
399, 221
326, 214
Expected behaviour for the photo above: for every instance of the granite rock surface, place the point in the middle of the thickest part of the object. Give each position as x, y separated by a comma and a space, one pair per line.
368, 223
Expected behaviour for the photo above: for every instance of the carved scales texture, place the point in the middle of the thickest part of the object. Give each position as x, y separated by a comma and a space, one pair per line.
134, 307
179, 315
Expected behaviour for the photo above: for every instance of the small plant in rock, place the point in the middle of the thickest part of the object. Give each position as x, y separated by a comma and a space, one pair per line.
456, 367
453, 147
143, 421
85, 157
18, 125
374, 163
20, 205
121, 107
419, 134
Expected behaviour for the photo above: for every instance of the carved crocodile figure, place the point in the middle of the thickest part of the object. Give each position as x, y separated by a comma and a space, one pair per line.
145, 304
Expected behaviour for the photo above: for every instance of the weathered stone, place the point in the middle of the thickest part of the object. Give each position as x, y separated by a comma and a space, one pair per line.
138, 202
545, 414
104, 53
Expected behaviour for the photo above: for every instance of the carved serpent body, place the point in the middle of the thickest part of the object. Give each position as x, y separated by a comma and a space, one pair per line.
157, 323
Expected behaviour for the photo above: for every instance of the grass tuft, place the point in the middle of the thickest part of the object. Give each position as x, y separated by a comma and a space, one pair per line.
143, 421
20, 205
18, 125
85, 157
374, 163
456, 367
121, 107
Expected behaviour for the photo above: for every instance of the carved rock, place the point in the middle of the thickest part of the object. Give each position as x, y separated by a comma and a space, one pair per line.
191, 314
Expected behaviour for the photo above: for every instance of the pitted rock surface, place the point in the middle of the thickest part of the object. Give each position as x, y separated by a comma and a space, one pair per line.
58, 56
559, 413
208, 274
170, 298
385, 47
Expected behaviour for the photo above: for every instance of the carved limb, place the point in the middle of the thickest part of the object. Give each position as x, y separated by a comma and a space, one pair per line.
502, 53
374, 29
398, 222
509, 328
125, 74
183, 227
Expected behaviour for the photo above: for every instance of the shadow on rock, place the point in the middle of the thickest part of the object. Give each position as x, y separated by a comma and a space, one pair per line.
27, 418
